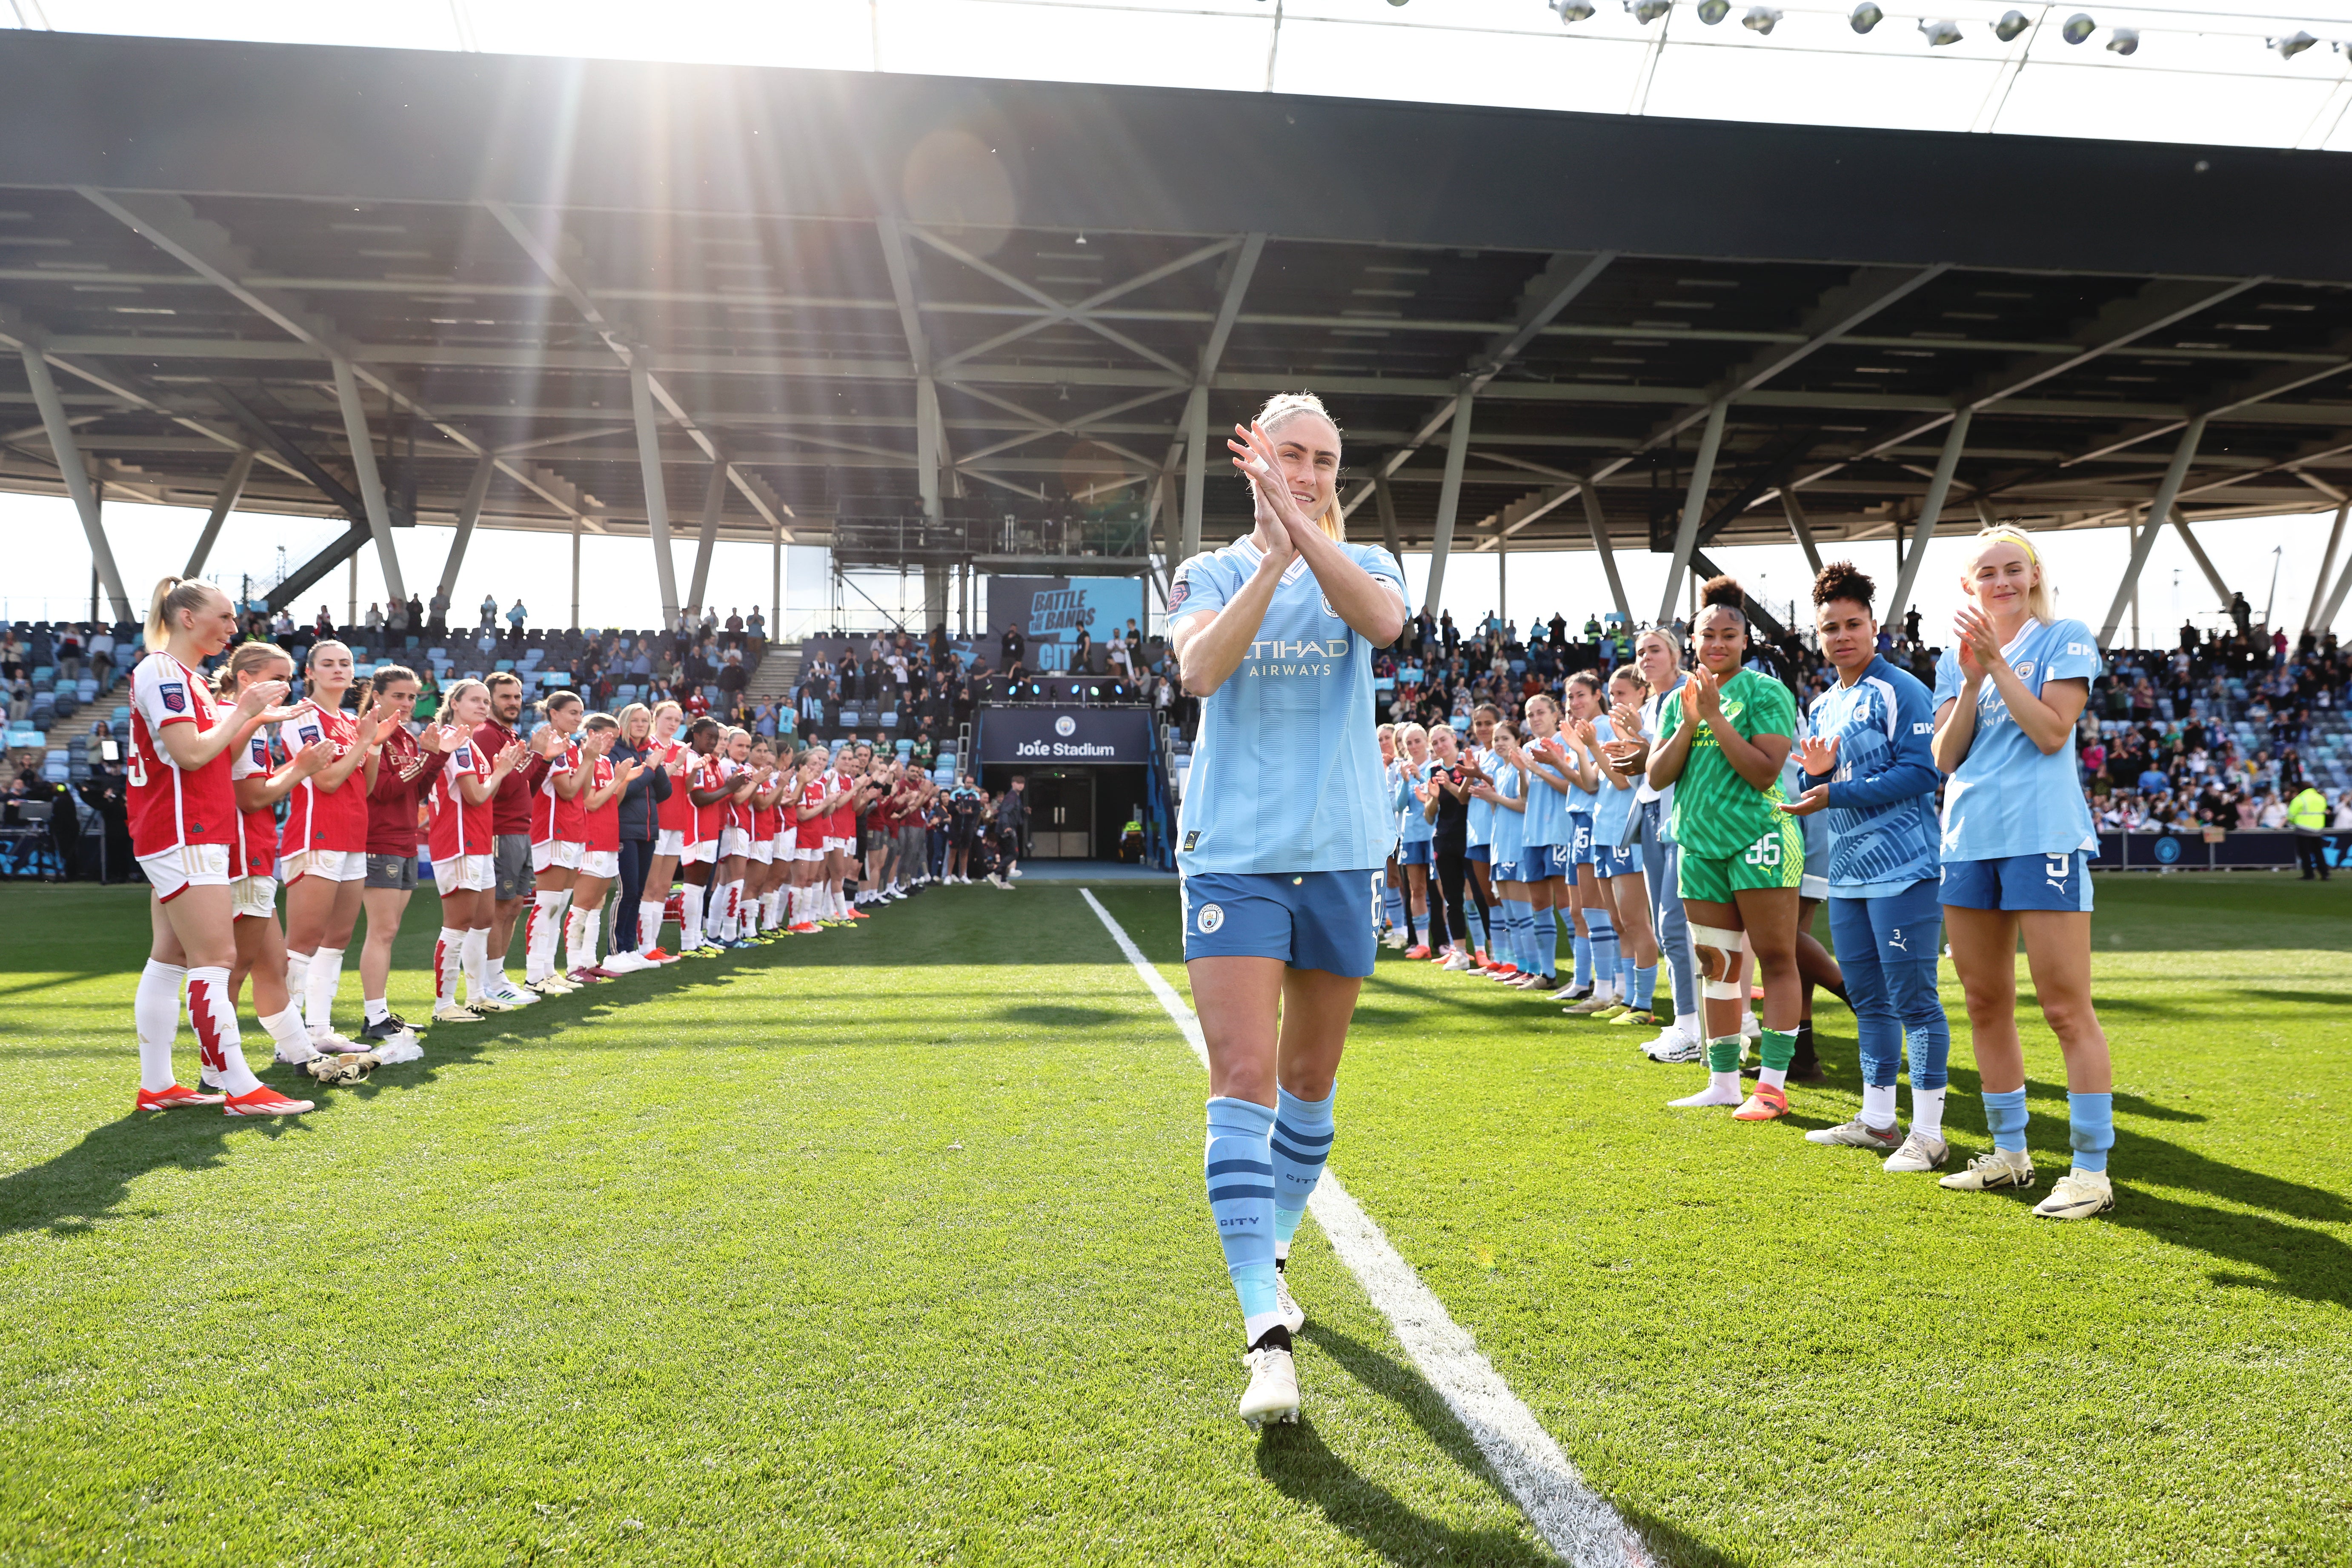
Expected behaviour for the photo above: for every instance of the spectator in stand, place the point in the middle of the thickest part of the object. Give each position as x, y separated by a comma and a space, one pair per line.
68, 653
489, 612
735, 627
374, 619
416, 612
323, 628
516, 615
755, 630
437, 621
100, 647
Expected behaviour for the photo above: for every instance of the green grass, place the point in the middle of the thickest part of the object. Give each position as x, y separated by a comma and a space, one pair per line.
808, 1256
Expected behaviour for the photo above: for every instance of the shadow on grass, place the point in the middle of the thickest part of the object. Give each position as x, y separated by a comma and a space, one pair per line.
1047, 1015
2309, 1264
68, 1193
1296, 1460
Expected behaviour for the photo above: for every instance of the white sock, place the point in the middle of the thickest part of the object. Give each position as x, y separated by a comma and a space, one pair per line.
580, 943
155, 1016
218, 1045
689, 919
1689, 1025
326, 974
1927, 1111
774, 905
1774, 1077
297, 978
650, 924
374, 1009
545, 930
733, 928
481, 977
1878, 1106
449, 963
286, 1027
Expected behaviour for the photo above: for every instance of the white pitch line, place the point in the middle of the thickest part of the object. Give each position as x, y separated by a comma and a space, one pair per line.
1575, 1521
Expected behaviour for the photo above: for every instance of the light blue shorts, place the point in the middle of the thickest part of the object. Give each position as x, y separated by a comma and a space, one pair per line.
1608, 860
1310, 919
2020, 882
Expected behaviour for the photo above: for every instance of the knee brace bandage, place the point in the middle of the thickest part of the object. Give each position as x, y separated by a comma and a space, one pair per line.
1725, 943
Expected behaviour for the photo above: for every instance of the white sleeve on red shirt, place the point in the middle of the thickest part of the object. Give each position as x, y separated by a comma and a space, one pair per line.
161, 690
305, 729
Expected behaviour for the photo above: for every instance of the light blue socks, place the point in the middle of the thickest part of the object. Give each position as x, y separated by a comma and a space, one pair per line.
1602, 935
1300, 1144
1239, 1165
2005, 1120
2091, 1129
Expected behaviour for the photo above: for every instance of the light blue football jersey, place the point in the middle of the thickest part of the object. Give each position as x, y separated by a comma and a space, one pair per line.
1478, 817
2008, 798
1614, 810
1286, 773
1547, 814
1510, 836
1882, 810
1412, 822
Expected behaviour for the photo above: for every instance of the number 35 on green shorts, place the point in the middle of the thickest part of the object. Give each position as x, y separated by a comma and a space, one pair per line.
1775, 860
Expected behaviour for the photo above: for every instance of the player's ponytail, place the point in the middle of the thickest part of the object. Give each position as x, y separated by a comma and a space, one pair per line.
173, 596
555, 702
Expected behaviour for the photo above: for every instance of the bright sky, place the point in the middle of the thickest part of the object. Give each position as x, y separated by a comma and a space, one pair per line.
2198, 72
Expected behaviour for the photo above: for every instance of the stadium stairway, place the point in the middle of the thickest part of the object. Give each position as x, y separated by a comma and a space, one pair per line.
778, 673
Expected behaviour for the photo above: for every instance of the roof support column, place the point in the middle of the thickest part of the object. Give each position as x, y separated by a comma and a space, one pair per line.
1449, 500
928, 445
2205, 563
224, 499
1196, 444
575, 570
1598, 525
379, 517
1802, 527
1931, 509
1503, 578
2311, 622
649, 463
1390, 535
77, 477
1710, 441
2183, 454
706, 539
776, 589
2326, 616
469, 512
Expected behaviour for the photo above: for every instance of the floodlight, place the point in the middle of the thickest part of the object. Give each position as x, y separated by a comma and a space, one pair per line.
1940, 33
2010, 26
1713, 11
2078, 28
1866, 16
2292, 45
1572, 10
1760, 19
1648, 11
2125, 42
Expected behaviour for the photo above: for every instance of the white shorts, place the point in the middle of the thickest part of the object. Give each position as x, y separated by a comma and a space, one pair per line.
253, 898
734, 841
605, 863
701, 852
669, 841
811, 853
174, 871
327, 865
763, 851
557, 854
1813, 887
466, 874
833, 845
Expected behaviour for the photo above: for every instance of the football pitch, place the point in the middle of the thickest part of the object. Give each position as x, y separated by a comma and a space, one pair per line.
890, 1246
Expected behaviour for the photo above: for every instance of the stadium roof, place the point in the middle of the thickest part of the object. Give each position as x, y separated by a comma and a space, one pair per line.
517, 276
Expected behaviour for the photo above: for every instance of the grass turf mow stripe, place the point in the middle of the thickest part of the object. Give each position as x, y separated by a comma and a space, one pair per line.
1577, 1524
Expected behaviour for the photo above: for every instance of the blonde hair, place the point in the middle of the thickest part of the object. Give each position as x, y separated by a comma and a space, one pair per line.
456, 694
2037, 597
1405, 733
245, 656
172, 594
1282, 408
629, 716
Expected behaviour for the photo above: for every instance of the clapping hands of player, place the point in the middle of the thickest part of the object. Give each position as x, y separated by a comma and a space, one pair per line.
1278, 517
547, 740
441, 737
510, 755
1581, 731
379, 717
310, 759
1818, 755
1706, 693
1979, 650
1625, 719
